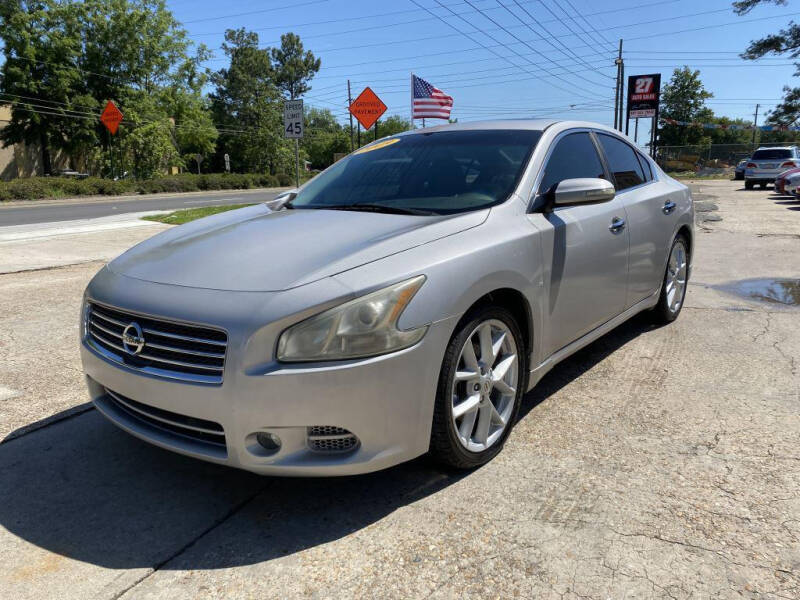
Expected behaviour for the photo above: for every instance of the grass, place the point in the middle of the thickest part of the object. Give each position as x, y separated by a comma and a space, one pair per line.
179, 217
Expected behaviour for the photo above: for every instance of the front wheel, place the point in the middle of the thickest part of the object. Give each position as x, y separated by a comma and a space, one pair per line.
480, 389
673, 289
748, 185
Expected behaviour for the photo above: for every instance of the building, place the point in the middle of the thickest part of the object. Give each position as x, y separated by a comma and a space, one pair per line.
21, 160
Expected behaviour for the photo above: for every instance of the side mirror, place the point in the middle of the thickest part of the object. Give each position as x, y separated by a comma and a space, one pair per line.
278, 202
583, 191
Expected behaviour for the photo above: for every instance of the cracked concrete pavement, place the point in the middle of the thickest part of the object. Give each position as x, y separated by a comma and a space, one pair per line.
656, 463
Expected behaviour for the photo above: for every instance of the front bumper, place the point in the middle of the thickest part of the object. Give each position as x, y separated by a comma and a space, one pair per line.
386, 401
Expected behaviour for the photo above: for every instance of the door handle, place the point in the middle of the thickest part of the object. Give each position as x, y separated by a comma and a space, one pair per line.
617, 225
669, 206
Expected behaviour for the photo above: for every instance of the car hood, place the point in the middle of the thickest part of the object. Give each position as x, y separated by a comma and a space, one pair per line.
256, 249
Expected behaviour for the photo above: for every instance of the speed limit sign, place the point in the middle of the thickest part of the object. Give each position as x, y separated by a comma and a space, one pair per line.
293, 119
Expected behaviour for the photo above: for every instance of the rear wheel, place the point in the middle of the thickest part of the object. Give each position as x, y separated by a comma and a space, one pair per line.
480, 389
673, 289
763, 186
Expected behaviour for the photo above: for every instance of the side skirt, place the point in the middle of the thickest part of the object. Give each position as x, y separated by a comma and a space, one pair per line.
555, 358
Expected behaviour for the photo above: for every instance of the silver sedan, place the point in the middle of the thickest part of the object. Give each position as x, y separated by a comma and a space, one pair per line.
400, 303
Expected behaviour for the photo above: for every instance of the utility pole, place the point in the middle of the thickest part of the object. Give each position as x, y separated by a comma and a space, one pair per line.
755, 126
622, 91
618, 95
618, 91
349, 102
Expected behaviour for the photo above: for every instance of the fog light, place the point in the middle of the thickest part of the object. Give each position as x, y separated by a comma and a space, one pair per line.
268, 441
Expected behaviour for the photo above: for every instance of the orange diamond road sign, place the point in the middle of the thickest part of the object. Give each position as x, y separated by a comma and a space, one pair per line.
111, 117
367, 108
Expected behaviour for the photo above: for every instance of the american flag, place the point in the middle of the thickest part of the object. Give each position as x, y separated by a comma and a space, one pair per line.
429, 102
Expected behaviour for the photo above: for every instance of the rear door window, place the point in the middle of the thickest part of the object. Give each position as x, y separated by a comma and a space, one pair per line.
646, 169
622, 161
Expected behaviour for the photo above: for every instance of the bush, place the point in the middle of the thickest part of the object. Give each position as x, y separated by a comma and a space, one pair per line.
28, 189
35, 188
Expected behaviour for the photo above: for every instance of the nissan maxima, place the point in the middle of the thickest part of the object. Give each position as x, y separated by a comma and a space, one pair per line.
399, 303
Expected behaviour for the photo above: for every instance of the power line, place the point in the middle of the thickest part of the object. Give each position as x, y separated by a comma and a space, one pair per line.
744, 21
296, 26
740, 22
564, 50
559, 19
568, 35
578, 14
257, 12
508, 47
405, 69
442, 78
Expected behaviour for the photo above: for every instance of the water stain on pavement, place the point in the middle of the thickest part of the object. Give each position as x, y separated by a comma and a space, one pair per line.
774, 291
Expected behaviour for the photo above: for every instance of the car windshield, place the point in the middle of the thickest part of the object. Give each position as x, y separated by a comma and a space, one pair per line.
772, 154
429, 173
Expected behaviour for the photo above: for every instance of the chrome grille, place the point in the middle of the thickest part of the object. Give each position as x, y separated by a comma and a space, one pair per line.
330, 439
201, 430
176, 350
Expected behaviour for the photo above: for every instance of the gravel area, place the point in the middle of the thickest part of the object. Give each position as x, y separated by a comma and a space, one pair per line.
655, 463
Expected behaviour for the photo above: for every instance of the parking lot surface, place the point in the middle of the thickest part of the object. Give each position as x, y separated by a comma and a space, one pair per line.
656, 463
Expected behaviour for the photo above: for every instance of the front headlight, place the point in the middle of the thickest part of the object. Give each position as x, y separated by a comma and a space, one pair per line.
363, 327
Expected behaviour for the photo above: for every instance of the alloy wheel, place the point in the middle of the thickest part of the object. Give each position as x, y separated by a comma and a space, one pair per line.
676, 276
484, 386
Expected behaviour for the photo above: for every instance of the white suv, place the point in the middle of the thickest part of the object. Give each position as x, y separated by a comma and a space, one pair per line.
767, 163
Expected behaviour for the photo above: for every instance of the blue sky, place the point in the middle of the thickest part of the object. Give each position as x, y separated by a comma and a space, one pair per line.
514, 58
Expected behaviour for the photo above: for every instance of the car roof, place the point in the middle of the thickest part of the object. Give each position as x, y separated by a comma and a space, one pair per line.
776, 147
531, 124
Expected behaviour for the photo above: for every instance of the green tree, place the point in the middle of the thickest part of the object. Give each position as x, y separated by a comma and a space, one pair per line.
786, 41
64, 59
392, 125
324, 137
147, 140
683, 99
195, 132
293, 67
40, 79
246, 104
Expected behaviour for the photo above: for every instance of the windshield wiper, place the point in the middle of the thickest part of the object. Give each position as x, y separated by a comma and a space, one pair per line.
378, 208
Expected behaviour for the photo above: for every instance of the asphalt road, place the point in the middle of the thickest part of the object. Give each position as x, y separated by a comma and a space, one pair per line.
658, 462
48, 212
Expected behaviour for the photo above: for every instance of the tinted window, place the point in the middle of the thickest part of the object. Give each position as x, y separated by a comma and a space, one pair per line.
622, 161
443, 172
771, 154
648, 171
574, 156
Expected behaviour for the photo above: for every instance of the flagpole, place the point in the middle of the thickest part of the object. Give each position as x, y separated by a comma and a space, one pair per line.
412, 100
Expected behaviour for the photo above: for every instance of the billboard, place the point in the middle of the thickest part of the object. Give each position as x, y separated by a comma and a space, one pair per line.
644, 92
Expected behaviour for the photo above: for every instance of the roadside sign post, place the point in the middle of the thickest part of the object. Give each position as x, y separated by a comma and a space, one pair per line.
111, 117
367, 109
227, 163
293, 129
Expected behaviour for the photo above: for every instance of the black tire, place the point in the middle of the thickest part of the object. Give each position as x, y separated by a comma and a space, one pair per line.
763, 186
748, 185
662, 313
445, 447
